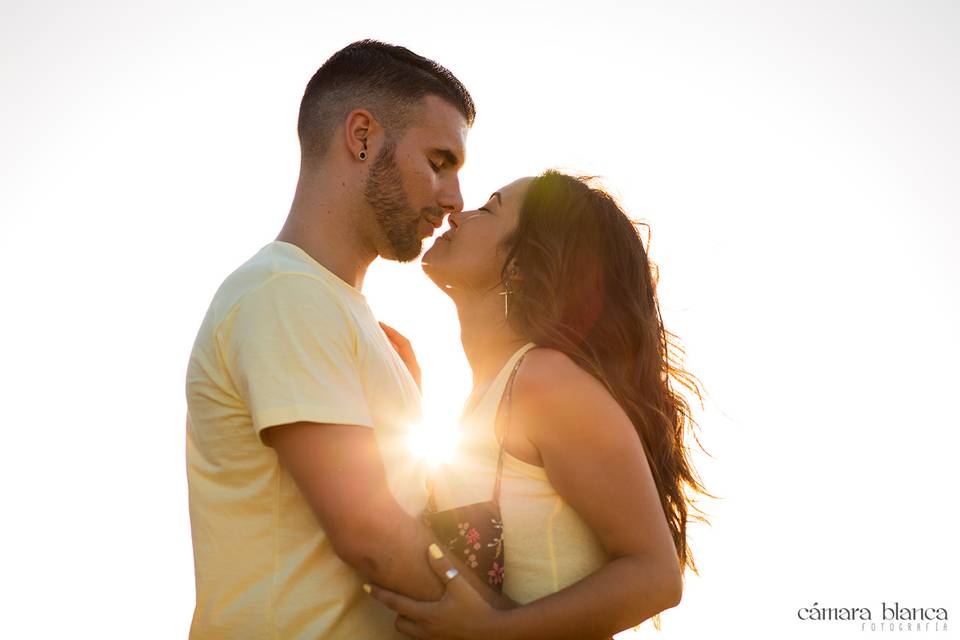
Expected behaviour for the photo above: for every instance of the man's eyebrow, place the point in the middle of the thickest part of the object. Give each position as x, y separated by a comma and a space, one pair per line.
448, 156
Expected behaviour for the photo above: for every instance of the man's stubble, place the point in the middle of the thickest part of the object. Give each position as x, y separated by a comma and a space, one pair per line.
397, 220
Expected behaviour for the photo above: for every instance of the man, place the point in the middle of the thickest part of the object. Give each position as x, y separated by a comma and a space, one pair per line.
301, 485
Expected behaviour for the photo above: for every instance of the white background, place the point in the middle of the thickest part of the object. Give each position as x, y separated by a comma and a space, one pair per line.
798, 163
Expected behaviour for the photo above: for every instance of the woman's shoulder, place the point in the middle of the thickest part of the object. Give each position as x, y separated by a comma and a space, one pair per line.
551, 387
547, 371
560, 405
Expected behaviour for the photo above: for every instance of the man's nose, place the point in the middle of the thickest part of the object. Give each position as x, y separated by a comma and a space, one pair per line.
451, 200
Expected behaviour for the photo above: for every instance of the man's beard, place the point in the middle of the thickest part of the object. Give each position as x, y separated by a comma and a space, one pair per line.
385, 195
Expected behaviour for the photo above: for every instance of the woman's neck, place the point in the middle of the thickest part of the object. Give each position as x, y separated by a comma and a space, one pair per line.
488, 340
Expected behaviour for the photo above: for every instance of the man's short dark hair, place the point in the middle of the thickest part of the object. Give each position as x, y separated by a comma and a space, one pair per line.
386, 79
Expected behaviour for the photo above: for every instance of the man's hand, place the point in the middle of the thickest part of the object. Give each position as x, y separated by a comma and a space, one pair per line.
404, 349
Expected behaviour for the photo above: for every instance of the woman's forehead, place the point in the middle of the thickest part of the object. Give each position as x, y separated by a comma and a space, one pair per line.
513, 193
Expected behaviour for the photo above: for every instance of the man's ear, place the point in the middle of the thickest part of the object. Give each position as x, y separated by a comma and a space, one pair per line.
359, 128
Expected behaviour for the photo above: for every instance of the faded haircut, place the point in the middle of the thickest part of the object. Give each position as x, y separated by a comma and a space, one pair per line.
385, 79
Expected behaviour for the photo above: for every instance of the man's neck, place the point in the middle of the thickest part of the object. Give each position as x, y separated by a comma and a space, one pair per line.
320, 222
488, 340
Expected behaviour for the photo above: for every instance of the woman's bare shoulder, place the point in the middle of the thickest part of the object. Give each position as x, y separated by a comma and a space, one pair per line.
547, 372
554, 393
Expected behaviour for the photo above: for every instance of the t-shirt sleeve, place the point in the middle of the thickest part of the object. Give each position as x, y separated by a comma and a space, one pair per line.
291, 349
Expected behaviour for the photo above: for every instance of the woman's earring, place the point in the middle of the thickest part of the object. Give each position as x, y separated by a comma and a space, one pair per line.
506, 300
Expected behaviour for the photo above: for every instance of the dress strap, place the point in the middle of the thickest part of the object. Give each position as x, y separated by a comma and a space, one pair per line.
506, 428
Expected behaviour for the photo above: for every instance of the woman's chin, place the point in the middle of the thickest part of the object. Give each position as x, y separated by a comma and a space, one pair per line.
434, 277
431, 255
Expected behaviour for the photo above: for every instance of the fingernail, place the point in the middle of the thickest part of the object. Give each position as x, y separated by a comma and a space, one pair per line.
435, 552
367, 588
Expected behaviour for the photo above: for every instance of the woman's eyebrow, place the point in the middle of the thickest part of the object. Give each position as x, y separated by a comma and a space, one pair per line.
499, 199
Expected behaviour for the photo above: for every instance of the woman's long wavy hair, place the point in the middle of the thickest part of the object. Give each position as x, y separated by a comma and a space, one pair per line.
580, 282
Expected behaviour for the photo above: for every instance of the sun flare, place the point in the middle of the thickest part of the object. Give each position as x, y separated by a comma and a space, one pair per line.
434, 441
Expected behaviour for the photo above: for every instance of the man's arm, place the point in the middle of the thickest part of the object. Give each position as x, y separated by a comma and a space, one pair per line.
291, 350
339, 470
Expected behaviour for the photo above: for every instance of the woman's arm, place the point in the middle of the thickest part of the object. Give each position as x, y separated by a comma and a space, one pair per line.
594, 459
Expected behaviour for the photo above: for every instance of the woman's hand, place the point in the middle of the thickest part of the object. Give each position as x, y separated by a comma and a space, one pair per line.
461, 614
404, 349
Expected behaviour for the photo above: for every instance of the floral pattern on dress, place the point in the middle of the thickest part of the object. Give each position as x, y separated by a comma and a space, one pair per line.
495, 575
475, 534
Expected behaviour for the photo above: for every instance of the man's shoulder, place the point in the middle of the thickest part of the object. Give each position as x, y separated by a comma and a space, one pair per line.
270, 287
277, 272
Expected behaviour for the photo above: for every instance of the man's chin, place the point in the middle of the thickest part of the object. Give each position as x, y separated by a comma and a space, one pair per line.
406, 253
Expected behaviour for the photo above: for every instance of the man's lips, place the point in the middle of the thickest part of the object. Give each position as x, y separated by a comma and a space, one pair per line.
435, 222
428, 228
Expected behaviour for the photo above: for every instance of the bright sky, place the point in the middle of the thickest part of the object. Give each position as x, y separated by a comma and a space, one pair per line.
797, 161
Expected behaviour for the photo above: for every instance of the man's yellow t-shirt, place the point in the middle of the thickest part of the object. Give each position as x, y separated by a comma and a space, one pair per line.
284, 341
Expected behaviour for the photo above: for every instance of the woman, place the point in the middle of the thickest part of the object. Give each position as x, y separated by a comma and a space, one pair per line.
573, 397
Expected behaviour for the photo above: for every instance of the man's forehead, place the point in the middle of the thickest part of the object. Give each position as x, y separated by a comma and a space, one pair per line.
443, 126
